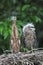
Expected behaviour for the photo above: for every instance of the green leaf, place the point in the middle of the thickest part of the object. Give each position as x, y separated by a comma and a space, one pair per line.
34, 7
25, 7
1, 28
5, 34
37, 19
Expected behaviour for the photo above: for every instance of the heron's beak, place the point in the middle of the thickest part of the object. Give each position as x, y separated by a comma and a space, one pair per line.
33, 29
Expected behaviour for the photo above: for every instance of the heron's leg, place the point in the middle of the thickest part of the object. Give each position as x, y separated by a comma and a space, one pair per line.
32, 48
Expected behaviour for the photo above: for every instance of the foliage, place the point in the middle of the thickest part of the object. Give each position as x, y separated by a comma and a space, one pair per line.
5, 31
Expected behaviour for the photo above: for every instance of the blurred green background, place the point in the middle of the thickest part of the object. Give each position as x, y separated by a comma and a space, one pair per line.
26, 11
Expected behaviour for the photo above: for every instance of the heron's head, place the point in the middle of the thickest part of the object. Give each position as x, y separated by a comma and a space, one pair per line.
13, 18
29, 25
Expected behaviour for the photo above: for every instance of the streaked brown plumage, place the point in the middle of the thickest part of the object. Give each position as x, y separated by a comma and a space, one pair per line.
15, 44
